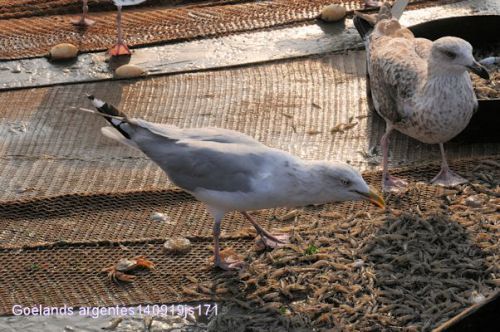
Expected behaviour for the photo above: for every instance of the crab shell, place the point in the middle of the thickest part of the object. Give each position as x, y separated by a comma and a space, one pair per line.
229, 255
125, 264
117, 276
177, 245
117, 273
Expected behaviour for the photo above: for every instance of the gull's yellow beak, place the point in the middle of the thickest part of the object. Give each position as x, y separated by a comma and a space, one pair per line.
375, 198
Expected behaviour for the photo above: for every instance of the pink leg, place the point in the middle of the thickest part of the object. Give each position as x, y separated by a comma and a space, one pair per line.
120, 48
119, 25
226, 263
446, 177
389, 183
268, 240
216, 231
83, 21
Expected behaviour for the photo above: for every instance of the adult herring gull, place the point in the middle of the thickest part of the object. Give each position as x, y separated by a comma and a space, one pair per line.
230, 171
421, 88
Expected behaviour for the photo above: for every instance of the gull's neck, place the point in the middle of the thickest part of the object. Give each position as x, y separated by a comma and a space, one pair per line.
441, 81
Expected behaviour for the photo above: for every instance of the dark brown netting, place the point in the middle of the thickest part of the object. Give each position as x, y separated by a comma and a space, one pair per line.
127, 216
73, 202
53, 249
34, 36
71, 274
27, 8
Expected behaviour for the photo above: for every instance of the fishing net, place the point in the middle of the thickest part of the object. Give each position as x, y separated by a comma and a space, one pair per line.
416, 264
27, 30
74, 202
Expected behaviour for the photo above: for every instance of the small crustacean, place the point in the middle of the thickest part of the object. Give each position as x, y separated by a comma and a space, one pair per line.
117, 272
289, 215
233, 259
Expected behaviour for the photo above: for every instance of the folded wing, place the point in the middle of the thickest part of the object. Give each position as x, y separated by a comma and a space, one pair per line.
397, 65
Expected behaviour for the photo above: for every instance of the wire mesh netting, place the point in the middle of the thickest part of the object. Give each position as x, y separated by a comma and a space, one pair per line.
49, 150
33, 36
53, 250
74, 203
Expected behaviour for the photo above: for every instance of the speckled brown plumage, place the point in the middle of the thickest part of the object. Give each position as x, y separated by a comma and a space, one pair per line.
431, 106
421, 88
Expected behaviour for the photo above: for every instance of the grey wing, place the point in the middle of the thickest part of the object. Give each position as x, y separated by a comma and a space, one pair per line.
193, 164
395, 72
220, 135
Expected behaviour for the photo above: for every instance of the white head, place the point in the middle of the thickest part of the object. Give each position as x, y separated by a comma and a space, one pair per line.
454, 54
342, 182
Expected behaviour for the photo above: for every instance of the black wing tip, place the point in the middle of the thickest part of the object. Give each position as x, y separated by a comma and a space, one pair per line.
363, 27
108, 109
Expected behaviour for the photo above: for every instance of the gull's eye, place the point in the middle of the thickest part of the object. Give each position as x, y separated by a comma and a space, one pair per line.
345, 182
450, 54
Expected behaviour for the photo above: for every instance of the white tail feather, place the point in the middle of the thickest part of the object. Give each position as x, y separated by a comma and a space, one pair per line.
98, 113
127, 2
97, 103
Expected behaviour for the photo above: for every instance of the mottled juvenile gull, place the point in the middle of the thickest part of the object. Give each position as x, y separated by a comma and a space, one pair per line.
230, 171
421, 88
